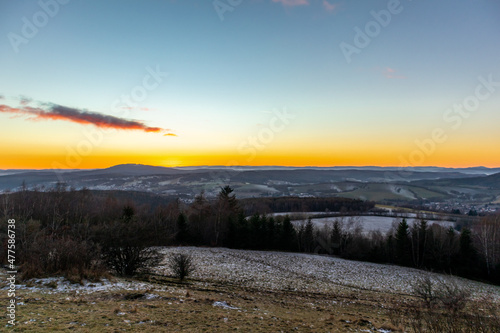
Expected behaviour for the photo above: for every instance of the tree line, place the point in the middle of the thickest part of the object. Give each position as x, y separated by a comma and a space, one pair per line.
83, 234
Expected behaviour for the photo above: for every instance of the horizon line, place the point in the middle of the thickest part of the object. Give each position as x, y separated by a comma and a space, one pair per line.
258, 166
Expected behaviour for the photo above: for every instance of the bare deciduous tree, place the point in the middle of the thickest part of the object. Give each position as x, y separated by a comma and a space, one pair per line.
487, 234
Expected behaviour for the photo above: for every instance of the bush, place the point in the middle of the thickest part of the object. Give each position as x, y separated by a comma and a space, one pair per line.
425, 290
49, 256
129, 260
181, 265
126, 247
444, 294
445, 306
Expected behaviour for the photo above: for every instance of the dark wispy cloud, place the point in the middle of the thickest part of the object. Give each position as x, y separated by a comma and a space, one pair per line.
84, 117
25, 100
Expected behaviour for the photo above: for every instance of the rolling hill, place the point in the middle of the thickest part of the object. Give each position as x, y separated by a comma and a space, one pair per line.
367, 183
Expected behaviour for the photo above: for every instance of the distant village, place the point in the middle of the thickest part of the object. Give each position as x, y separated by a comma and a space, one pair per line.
463, 208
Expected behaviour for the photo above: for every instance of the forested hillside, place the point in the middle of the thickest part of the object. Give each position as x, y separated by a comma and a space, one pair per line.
82, 233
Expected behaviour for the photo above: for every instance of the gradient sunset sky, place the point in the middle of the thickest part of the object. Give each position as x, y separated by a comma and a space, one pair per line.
91, 84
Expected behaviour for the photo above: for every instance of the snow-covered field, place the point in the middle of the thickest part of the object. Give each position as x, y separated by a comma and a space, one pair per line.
306, 272
368, 223
273, 271
301, 214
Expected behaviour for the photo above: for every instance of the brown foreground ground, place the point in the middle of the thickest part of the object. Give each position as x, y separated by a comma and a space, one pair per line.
213, 308
253, 291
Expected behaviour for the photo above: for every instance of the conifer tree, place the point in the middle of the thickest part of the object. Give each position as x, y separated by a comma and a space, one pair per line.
403, 246
288, 235
182, 236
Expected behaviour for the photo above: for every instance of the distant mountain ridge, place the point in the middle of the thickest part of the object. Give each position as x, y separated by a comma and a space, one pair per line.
134, 170
367, 183
148, 169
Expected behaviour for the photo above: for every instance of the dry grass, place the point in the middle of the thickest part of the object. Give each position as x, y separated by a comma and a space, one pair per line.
189, 308
255, 291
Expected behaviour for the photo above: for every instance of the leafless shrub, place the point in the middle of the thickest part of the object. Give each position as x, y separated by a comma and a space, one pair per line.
424, 289
49, 256
442, 293
181, 264
452, 297
127, 260
443, 305
126, 246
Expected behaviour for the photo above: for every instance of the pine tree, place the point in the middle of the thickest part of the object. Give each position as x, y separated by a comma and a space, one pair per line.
271, 233
263, 233
419, 242
403, 246
232, 234
243, 234
182, 236
336, 238
308, 237
288, 235
467, 254
255, 233
450, 248
226, 209
390, 248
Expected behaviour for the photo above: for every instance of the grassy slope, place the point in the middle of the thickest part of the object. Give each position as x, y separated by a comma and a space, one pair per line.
271, 291
380, 192
189, 308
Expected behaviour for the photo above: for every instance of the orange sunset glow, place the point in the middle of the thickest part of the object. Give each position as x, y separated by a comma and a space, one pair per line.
238, 92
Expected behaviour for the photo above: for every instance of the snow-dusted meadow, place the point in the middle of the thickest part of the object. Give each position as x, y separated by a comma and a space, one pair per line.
306, 272
368, 223
271, 271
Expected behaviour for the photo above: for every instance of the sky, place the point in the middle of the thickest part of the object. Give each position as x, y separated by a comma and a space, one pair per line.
92, 84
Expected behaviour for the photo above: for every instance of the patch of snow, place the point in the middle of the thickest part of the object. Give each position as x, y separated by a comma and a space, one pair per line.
225, 305
54, 285
150, 296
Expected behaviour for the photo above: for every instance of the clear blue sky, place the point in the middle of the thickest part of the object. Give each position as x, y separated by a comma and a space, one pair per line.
225, 78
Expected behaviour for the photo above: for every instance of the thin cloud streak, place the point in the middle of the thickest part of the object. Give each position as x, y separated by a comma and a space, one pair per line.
391, 73
329, 7
292, 3
130, 108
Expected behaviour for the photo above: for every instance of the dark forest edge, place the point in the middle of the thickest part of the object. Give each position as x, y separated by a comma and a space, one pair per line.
84, 234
